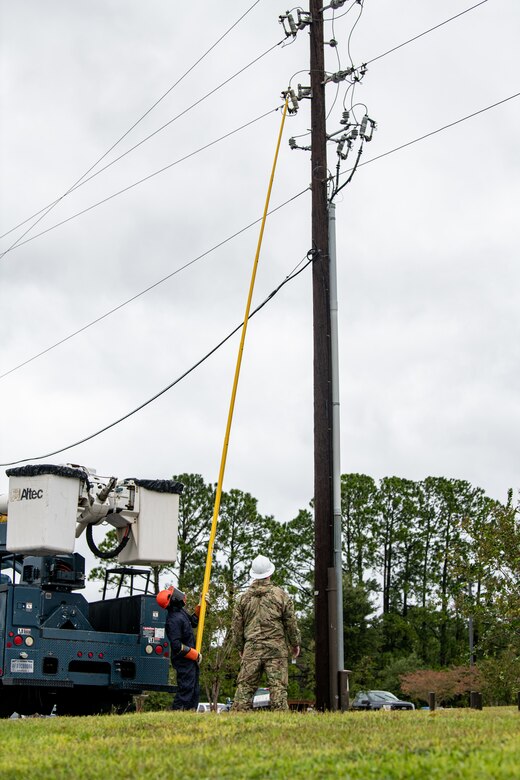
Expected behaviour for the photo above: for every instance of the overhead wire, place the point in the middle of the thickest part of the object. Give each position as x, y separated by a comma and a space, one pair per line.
352, 30
50, 206
150, 287
431, 29
290, 277
19, 241
329, 112
337, 188
343, 14
140, 181
351, 82
402, 146
434, 132
242, 230
352, 85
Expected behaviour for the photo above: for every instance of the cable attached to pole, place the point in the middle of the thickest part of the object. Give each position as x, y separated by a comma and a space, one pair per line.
218, 495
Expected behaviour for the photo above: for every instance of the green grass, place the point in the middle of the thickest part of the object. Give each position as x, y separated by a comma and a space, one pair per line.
447, 744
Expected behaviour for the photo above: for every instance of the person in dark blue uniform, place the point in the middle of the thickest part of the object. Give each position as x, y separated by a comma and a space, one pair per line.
184, 656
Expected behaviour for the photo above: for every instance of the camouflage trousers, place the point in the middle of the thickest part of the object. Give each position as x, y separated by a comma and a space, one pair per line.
249, 676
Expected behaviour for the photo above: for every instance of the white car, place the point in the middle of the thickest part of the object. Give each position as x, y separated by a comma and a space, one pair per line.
205, 706
261, 698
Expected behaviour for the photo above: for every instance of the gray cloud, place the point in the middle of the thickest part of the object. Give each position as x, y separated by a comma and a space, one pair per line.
427, 246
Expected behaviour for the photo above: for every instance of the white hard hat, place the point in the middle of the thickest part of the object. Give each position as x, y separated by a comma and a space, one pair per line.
261, 568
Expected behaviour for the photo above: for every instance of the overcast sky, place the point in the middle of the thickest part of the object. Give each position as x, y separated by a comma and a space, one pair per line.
427, 238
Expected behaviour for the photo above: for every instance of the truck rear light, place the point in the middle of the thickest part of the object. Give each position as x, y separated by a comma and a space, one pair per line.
18, 640
11, 633
79, 654
9, 644
29, 641
1, 672
91, 655
158, 649
148, 649
100, 655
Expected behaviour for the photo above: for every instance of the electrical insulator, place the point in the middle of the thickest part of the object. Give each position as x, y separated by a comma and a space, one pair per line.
337, 3
289, 95
341, 143
341, 75
344, 118
367, 122
303, 92
294, 145
293, 29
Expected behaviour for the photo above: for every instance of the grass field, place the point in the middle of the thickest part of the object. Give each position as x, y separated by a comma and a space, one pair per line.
444, 744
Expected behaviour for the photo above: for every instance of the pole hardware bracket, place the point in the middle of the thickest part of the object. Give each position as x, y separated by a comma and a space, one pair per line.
294, 145
304, 92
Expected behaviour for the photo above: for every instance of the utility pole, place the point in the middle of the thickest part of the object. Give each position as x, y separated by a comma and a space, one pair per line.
331, 678
324, 587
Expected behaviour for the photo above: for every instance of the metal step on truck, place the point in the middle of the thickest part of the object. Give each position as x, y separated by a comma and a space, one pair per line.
59, 653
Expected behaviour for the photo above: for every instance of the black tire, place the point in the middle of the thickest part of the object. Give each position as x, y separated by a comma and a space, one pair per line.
26, 701
93, 703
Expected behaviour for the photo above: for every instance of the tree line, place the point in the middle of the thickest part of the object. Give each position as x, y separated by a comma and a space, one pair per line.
421, 561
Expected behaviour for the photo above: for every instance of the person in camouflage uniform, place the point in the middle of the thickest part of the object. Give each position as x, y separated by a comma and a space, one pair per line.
264, 630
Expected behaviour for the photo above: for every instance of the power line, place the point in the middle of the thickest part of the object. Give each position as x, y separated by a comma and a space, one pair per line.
77, 184
242, 230
290, 277
436, 27
434, 132
50, 206
149, 288
335, 17
80, 183
352, 84
136, 183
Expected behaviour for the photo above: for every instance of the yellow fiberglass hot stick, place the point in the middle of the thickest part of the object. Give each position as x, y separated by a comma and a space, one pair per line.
216, 508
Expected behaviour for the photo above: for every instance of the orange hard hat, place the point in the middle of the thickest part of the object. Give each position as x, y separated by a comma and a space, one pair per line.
164, 596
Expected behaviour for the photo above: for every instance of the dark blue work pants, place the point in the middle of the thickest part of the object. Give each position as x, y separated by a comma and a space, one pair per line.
188, 690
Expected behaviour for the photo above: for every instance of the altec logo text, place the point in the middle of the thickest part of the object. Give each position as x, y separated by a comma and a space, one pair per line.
30, 493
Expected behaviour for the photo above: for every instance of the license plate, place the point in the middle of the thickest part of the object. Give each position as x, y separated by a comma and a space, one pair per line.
26, 667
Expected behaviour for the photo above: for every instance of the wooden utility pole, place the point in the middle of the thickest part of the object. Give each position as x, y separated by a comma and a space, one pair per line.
323, 486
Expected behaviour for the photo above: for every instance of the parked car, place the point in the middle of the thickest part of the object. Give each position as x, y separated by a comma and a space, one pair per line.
261, 698
380, 700
205, 706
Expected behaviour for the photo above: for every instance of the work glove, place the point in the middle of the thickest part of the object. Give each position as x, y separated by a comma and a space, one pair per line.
197, 608
194, 656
